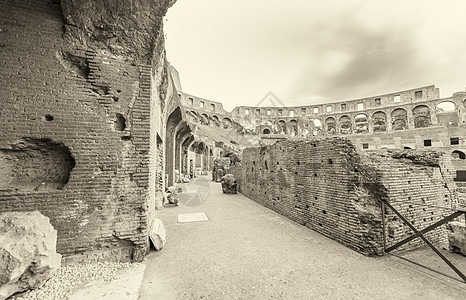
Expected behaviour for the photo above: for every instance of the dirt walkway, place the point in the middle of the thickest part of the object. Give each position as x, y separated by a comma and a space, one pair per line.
246, 251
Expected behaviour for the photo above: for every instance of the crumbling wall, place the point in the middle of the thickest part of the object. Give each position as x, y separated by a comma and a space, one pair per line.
330, 187
81, 86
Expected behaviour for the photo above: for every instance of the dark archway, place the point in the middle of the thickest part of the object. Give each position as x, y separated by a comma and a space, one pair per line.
172, 122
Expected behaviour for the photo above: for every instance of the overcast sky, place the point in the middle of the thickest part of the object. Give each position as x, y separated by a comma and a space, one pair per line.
310, 52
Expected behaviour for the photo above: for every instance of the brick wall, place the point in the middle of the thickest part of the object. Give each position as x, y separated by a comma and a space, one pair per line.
330, 187
96, 106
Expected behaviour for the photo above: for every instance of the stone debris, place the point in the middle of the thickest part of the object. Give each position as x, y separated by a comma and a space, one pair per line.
28, 254
172, 194
457, 237
69, 278
158, 235
229, 184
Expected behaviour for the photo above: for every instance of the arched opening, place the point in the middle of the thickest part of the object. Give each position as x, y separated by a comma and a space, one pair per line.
345, 124
317, 127
379, 121
205, 119
447, 113
445, 106
421, 115
294, 128
266, 131
226, 123
330, 125
172, 122
458, 154
282, 127
362, 125
399, 119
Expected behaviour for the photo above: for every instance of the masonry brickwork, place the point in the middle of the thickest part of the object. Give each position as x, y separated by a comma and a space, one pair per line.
102, 108
332, 188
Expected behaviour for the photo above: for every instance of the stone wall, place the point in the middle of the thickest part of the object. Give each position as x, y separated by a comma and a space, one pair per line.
330, 187
78, 100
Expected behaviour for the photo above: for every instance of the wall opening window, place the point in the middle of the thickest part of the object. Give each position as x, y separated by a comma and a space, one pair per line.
427, 143
365, 146
329, 108
280, 112
212, 107
291, 113
258, 112
316, 110
377, 101
266, 131
343, 107
303, 111
269, 112
191, 101
360, 106
454, 141
397, 99
201, 104
418, 94
246, 111
458, 155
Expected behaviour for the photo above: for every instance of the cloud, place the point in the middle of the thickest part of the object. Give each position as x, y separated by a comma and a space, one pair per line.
353, 59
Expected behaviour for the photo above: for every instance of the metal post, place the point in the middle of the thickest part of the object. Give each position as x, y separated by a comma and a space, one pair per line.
383, 226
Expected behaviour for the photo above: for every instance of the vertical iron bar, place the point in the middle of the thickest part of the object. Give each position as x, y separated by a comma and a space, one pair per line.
383, 227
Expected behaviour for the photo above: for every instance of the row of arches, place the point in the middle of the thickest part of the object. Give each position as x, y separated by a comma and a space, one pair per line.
378, 121
209, 120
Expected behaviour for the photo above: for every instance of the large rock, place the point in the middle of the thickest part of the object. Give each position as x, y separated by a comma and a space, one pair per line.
457, 237
229, 184
28, 254
158, 235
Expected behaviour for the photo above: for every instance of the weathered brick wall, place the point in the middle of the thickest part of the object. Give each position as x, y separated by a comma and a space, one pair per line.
330, 187
96, 105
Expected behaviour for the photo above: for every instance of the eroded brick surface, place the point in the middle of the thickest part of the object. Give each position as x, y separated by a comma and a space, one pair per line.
330, 187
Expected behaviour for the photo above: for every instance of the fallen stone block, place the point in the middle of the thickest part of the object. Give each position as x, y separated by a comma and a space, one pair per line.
457, 237
158, 235
28, 256
229, 184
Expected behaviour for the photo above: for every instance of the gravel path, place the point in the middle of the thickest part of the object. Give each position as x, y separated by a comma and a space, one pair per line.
69, 278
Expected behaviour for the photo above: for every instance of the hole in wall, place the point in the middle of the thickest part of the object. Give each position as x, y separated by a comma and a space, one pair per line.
119, 122
47, 118
115, 98
35, 164
126, 138
330, 161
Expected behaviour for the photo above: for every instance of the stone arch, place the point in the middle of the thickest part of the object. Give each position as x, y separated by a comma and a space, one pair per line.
457, 154
445, 106
379, 121
205, 119
330, 125
266, 131
317, 127
293, 128
345, 124
172, 122
362, 123
282, 127
215, 117
399, 119
421, 115
447, 113
226, 123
